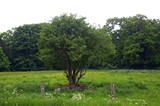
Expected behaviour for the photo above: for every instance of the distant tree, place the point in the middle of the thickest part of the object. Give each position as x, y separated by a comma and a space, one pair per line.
71, 43
5, 40
118, 39
4, 62
136, 41
24, 47
155, 23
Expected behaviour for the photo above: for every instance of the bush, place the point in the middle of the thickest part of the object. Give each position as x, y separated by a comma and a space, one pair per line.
4, 62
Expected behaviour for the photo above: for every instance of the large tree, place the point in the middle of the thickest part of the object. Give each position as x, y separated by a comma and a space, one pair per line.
136, 40
24, 47
71, 43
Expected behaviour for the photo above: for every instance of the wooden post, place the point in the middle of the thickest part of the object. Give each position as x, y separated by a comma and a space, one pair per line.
112, 91
42, 89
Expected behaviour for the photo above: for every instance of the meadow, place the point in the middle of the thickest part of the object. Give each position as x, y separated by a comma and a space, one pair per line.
132, 88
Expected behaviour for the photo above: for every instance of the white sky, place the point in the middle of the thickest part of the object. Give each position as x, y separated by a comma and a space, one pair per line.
14, 13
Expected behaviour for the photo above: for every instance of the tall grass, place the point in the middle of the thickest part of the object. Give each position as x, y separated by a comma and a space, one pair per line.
132, 88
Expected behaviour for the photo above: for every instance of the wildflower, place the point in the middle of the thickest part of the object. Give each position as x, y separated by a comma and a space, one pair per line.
49, 95
77, 96
136, 103
129, 99
89, 98
57, 90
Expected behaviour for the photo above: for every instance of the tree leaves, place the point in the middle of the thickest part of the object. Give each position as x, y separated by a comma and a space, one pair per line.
71, 44
136, 43
24, 47
4, 62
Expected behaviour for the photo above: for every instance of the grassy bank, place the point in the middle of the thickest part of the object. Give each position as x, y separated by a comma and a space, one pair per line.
132, 88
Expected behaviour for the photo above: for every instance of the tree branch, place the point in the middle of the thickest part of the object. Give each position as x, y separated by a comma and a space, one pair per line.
66, 73
81, 74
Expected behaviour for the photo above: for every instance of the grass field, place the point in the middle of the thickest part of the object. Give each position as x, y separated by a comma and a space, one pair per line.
132, 88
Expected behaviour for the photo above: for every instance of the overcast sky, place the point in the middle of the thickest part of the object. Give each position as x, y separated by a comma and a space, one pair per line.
14, 13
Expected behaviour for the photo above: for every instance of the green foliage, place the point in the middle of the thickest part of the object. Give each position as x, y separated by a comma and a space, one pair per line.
5, 40
24, 47
70, 39
4, 62
136, 41
70, 43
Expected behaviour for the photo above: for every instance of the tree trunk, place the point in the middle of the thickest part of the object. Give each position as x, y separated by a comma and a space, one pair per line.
72, 80
70, 74
73, 75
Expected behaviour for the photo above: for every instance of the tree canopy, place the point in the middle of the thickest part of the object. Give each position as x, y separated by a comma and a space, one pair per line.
24, 47
136, 40
71, 43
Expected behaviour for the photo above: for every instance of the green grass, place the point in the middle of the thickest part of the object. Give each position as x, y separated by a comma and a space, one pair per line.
132, 88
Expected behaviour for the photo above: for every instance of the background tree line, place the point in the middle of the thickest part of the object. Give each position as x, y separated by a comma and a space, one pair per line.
135, 39
137, 42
